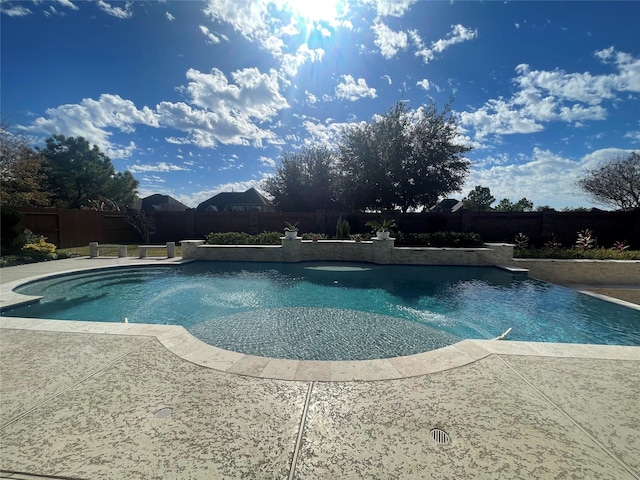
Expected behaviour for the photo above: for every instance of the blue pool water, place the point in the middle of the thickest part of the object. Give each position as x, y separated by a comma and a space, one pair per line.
319, 311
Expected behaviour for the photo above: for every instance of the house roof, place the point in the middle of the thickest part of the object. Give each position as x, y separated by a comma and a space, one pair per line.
447, 205
162, 203
223, 201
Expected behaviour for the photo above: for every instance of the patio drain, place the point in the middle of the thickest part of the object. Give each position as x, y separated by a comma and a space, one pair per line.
164, 413
440, 436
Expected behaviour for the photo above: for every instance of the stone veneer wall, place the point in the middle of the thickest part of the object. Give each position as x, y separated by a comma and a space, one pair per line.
582, 272
375, 251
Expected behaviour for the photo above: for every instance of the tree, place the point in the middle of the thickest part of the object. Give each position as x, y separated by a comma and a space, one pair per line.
616, 183
143, 224
401, 159
78, 174
304, 181
22, 180
522, 205
479, 199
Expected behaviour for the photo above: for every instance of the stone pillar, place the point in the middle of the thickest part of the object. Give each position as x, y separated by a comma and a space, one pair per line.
383, 250
93, 249
171, 249
291, 249
500, 254
122, 251
190, 248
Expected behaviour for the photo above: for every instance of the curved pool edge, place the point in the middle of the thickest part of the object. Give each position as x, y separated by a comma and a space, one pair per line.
181, 343
9, 298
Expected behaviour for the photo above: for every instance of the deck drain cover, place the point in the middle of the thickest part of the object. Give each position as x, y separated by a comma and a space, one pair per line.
164, 412
440, 436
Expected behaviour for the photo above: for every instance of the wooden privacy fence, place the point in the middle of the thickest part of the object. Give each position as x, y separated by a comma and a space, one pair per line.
72, 228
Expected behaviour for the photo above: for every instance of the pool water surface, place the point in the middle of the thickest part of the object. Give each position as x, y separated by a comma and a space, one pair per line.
320, 311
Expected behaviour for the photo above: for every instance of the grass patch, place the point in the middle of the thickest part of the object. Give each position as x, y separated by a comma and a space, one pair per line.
112, 251
62, 253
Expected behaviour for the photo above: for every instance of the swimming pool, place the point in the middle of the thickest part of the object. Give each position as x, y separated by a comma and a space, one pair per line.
320, 311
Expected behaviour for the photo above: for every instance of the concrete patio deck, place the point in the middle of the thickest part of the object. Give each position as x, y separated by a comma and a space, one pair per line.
75, 403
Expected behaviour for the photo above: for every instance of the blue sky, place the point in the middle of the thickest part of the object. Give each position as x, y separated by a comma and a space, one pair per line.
199, 97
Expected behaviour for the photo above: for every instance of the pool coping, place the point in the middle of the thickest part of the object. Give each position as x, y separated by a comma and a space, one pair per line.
181, 343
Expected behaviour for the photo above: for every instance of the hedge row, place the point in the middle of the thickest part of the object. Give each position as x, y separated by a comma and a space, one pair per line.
438, 239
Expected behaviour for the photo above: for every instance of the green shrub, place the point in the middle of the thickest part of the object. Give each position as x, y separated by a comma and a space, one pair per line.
439, 239
309, 236
241, 238
268, 238
40, 250
343, 229
577, 253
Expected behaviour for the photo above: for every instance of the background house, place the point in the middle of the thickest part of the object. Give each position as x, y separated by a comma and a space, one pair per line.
448, 205
248, 201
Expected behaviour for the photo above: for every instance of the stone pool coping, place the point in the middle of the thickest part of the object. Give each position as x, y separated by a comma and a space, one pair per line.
184, 345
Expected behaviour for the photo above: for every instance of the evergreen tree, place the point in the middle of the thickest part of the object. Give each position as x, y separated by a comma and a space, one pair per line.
479, 199
78, 174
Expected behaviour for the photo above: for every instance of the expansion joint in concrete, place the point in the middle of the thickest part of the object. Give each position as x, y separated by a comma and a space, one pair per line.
569, 417
303, 421
71, 387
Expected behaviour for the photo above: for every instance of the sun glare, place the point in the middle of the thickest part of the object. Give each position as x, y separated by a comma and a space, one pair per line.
317, 10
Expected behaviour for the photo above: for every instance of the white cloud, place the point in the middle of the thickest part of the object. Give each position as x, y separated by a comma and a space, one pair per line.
254, 94
218, 111
634, 136
425, 84
169, 17
311, 98
211, 38
550, 96
245, 16
598, 157
498, 117
121, 151
91, 119
152, 179
388, 41
351, 90
391, 8
266, 23
387, 78
580, 87
291, 62
325, 134
267, 162
205, 129
545, 177
15, 10
157, 167
458, 34
68, 4
251, 19
118, 12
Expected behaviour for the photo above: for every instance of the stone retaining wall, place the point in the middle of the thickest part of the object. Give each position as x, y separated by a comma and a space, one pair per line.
587, 272
584, 272
375, 251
